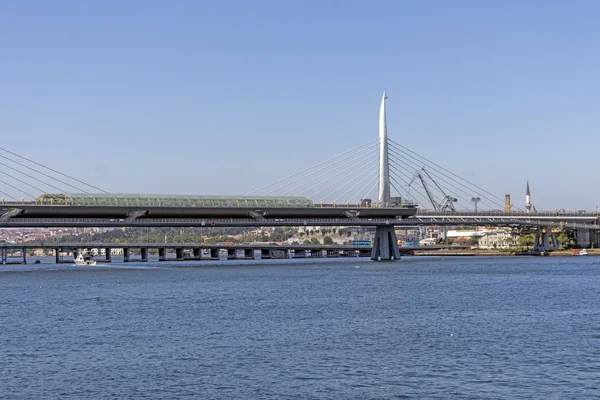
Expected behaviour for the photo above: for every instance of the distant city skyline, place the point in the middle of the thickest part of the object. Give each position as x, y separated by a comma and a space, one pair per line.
222, 98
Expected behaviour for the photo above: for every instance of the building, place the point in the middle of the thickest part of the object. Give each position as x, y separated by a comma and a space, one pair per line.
498, 239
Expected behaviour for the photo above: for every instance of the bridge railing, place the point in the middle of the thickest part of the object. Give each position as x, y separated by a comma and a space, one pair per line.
499, 213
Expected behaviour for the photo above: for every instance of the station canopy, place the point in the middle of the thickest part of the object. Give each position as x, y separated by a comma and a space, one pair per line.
170, 200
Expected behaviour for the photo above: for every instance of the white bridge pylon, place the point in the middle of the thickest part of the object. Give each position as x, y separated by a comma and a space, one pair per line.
384, 164
382, 171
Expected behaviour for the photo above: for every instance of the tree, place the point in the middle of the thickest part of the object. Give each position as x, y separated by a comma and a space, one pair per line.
474, 240
327, 240
566, 238
314, 241
526, 240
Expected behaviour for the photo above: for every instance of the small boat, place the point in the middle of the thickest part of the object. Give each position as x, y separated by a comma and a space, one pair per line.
84, 259
582, 252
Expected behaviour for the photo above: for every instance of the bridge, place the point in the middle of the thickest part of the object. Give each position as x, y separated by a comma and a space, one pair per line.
335, 192
16, 253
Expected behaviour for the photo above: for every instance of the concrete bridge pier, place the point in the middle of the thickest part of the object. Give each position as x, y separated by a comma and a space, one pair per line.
385, 244
231, 254
299, 253
214, 254
179, 254
4, 252
348, 253
545, 240
279, 254
56, 256
107, 255
144, 254
162, 254
249, 254
265, 254
197, 253
364, 253
126, 254
332, 253
584, 237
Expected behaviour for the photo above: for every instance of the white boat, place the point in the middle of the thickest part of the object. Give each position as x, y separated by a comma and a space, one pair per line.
582, 252
84, 259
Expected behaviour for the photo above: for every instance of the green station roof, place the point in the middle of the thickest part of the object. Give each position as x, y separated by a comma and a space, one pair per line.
172, 200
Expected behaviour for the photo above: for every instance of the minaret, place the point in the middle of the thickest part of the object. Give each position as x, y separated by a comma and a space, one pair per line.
384, 171
528, 199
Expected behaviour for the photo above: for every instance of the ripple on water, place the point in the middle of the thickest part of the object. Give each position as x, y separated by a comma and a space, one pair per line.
419, 328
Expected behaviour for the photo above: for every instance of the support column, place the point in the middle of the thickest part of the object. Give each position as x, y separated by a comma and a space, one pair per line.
162, 254
249, 254
214, 254
299, 253
384, 171
144, 253
197, 252
107, 255
583, 237
265, 254
126, 254
57, 256
385, 244
179, 254
318, 253
364, 253
332, 253
24, 251
231, 254
545, 240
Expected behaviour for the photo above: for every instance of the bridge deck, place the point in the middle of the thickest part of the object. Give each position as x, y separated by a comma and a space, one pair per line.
46, 211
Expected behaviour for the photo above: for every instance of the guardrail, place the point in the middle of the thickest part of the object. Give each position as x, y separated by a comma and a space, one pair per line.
497, 213
230, 222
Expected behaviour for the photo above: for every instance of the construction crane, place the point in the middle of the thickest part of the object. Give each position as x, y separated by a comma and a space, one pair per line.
447, 203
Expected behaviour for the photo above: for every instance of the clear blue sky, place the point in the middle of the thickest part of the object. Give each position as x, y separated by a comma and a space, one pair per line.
225, 96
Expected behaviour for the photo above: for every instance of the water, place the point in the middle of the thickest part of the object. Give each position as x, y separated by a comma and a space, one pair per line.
420, 328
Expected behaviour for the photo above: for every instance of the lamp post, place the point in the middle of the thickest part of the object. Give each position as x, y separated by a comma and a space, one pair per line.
475, 200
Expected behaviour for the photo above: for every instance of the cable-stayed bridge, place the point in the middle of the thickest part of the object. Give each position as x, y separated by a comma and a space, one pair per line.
381, 184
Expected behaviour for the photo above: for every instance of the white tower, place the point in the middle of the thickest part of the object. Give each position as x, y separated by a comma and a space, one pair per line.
528, 198
384, 172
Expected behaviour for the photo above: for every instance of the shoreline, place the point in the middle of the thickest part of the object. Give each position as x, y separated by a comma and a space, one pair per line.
498, 253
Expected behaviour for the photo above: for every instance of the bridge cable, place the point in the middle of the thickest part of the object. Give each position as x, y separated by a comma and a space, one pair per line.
436, 174
8, 195
370, 171
350, 166
499, 199
398, 170
393, 158
21, 181
376, 179
53, 170
344, 178
44, 174
311, 167
17, 189
32, 177
328, 166
422, 198
417, 167
345, 167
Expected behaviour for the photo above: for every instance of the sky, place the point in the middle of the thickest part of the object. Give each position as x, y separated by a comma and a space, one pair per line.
223, 97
